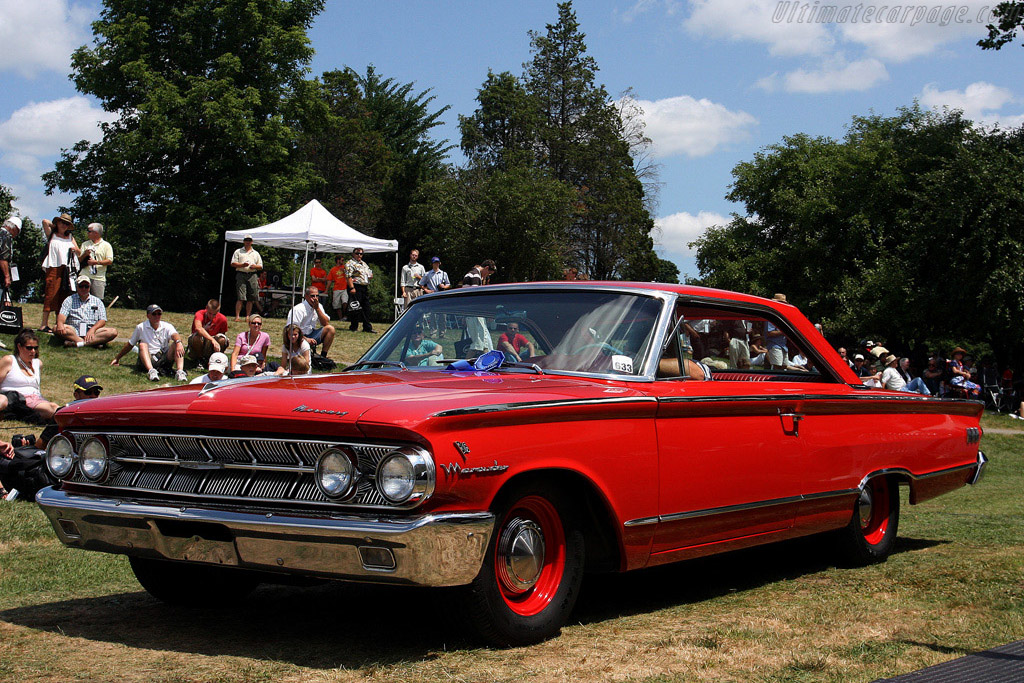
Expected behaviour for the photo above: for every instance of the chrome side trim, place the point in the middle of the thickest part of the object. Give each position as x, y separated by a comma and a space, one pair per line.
445, 549
746, 398
741, 507
730, 509
556, 403
915, 477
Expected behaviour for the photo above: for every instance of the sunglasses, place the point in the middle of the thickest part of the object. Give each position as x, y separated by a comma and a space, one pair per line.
256, 323
31, 348
93, 392
157, 313
83, 285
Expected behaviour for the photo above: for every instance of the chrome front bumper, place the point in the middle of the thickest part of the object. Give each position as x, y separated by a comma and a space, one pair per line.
431, 550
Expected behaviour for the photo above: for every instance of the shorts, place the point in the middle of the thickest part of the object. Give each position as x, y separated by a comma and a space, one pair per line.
161, 360
247, 286
99, 288
18, 406
776, 356
412, 292
316, 335
339, 297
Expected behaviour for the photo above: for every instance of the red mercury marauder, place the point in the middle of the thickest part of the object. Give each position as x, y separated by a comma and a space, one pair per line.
628, 425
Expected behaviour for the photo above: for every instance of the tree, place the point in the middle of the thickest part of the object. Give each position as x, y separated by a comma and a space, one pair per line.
668, 272
910, 229
557, 118
204, 94
1009, 17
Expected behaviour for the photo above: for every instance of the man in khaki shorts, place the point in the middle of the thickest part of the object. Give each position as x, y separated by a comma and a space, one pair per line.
247, 263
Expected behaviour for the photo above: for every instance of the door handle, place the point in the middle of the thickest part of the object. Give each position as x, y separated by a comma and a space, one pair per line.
796, 417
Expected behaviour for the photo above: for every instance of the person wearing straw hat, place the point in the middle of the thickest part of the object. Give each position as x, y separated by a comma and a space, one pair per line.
61, 254
893, 380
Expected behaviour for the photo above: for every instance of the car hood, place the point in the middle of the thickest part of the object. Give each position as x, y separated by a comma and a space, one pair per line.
335, 403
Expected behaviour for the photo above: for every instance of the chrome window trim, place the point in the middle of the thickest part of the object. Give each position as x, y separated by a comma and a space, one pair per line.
554, 403
649, 363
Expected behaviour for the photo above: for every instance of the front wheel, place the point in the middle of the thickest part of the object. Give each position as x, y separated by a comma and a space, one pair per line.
193, 585
871, 534
532, 572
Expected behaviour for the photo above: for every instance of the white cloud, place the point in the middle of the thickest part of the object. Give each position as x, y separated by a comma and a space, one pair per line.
645, 6
834, 76
39, 35
907, 31
43, 128
754, 20
692, 127
679, 229
975, 99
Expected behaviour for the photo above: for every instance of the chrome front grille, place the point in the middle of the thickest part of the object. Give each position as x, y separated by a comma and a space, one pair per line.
231, 469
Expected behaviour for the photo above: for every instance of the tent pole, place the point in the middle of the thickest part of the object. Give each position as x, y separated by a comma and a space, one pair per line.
223, 258
397, 293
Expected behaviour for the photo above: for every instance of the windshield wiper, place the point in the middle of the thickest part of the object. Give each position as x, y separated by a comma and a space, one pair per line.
520, 364
378, 364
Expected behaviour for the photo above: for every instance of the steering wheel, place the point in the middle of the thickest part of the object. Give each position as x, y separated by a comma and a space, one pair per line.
606, 348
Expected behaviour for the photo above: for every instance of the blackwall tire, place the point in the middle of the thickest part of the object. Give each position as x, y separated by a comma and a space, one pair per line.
532, 572
871, 534
191, 585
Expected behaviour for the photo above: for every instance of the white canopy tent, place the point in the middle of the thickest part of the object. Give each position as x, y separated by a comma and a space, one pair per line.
311, 228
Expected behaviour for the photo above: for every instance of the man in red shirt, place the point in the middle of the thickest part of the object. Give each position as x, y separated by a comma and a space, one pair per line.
339, 287
513, 342
209, 332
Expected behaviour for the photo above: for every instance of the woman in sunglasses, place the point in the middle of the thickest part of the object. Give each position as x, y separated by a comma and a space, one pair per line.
251, 342
20, 395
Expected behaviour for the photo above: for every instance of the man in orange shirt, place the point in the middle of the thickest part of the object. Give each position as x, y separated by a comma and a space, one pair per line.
339, 287
318, 277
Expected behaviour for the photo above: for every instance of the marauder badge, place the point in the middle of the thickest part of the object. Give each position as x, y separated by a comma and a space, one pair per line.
306, 409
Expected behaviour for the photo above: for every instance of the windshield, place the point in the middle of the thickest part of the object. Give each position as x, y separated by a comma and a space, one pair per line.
567, 330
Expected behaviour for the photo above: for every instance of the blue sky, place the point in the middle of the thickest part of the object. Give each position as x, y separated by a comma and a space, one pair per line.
718, 80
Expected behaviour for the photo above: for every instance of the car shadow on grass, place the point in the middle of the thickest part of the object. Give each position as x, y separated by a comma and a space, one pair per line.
607, 596
327, 626
338, 625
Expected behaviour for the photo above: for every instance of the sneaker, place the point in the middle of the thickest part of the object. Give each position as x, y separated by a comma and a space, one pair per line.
1015, 416
181, 376
153, 375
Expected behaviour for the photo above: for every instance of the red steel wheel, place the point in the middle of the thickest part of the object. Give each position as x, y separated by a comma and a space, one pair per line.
532, 571
529, 555
871, 534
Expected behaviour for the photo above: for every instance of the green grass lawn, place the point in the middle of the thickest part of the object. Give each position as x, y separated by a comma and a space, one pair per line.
63, 366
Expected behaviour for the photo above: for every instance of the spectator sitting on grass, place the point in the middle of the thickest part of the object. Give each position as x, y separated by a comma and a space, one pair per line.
209, 332
217, 370
308, 312
894, 380
251, 342
82, 320
295, 353
160, 346
20, 394
249, 366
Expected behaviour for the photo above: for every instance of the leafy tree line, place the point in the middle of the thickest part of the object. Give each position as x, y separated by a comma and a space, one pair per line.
909, 229
219, 127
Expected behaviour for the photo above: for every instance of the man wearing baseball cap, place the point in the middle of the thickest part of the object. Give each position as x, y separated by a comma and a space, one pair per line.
160, 346
218, 366
247, 263
85, 387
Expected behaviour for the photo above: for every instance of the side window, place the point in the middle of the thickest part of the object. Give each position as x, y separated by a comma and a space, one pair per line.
738, 344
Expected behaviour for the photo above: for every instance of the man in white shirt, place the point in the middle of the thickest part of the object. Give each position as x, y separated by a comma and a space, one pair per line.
247, 263
159, 344
97, 254
309, 312
218, 365
412, 273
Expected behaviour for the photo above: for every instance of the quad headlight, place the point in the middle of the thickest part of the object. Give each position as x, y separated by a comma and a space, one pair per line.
336, 472
60, 456
92, 459
405, 475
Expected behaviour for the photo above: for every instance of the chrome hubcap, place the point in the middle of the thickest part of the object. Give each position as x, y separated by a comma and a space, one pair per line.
864, 507
521, 554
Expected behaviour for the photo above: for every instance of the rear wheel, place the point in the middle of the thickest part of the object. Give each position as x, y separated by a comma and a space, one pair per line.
871, 534
532, 572
193, 585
